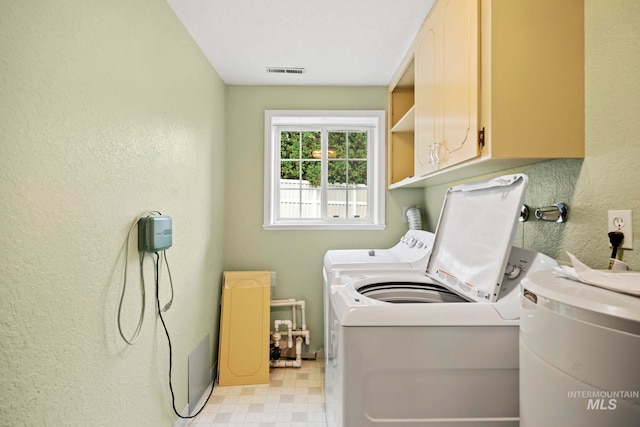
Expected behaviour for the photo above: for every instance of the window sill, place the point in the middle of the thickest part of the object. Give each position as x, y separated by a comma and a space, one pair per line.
270, 227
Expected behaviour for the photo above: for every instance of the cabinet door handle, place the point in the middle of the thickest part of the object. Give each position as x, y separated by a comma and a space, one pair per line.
433, 156
434, 153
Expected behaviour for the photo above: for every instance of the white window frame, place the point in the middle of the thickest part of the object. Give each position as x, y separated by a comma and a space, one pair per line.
275, 119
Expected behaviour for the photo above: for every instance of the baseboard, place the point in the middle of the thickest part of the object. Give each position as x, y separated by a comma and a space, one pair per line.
182, 422
198, 372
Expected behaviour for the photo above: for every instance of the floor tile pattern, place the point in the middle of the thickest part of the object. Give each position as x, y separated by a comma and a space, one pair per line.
293, 398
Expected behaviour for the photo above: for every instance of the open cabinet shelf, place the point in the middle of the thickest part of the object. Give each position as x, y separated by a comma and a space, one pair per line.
484, 88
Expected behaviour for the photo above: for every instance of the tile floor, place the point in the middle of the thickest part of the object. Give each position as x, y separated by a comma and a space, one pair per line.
293, 398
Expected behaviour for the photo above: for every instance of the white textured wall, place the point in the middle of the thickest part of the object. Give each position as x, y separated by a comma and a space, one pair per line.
107, 109
608, 176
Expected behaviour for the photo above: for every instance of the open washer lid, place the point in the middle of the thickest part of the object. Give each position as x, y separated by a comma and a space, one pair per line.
474, 236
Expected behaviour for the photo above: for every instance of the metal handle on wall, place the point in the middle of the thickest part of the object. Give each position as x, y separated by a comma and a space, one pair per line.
555, 213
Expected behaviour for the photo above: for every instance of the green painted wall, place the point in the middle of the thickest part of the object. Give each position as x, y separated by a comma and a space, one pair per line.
107, 109
296, 256
608, 176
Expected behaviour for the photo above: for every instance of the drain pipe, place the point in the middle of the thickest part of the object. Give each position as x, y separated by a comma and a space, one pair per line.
292, 331
282, 302
289, 331
294, 317
304, 334
290, 363
304, 321
292, 302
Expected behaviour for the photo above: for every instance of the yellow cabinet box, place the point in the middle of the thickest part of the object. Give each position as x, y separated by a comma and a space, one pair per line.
243, 356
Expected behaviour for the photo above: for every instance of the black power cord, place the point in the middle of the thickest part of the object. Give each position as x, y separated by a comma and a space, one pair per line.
615, 237
164, 325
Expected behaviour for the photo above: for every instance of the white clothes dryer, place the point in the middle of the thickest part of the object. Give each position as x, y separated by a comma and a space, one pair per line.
440, 349
411, 251
579, 354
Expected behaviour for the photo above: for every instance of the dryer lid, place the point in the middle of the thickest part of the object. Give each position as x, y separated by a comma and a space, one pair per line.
474, 236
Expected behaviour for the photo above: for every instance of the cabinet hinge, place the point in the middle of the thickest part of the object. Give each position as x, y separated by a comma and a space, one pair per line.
481, 138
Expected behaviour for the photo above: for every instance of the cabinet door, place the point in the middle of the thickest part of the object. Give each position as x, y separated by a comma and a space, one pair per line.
427, 95
460, 71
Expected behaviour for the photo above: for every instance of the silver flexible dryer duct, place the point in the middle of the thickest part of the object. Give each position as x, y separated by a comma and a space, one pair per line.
414, 219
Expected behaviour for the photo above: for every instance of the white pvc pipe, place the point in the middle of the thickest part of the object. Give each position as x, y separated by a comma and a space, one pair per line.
304, 321
290, 363
282, 322
292, 330
282, 302
286, 363
276, 338
287, 323
298, 348
293, 316
304, 334
292, 302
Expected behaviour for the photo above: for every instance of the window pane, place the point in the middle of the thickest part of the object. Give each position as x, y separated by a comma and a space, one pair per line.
343, 202
357, 202
289, 203
301, 203
337, 144
358, 172
357, 145
337, 172
289, 145
311, 144
322, 170
336, 202
312, 173
290, 170
311, 203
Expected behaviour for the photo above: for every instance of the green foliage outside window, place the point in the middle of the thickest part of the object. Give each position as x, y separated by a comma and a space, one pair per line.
347, 160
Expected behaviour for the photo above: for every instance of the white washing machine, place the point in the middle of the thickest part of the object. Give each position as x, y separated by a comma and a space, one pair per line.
579, 355
411, 252
440, 347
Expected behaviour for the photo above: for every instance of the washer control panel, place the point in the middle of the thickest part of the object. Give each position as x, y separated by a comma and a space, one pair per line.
523, 262
416, 240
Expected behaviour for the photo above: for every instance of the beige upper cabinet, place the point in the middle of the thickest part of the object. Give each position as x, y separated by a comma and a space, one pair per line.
446, 89
401, 123
428, 91
494, 84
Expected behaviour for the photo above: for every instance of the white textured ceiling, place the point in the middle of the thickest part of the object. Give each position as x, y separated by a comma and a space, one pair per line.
338, 42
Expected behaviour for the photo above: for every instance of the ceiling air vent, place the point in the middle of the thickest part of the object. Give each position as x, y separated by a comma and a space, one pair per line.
285, 70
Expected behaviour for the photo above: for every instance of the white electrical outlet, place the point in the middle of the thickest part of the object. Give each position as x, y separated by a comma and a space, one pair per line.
621, 221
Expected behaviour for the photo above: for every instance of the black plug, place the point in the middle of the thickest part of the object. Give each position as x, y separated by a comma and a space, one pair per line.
615, 237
